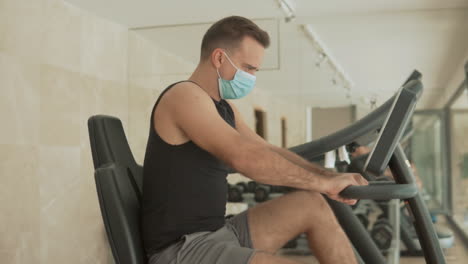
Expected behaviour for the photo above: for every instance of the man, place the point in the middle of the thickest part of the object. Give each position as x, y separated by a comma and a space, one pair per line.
195, 134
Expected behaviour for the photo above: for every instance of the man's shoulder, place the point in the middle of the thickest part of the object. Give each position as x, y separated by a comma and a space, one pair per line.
185, 87
186, 92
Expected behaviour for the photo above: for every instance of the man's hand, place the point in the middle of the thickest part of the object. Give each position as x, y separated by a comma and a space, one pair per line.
339, 182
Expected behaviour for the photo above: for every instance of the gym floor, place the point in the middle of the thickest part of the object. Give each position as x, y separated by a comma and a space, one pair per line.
456, 255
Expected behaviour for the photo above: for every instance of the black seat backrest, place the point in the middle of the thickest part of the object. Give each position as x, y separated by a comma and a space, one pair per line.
119, 182
109, 145
120, 210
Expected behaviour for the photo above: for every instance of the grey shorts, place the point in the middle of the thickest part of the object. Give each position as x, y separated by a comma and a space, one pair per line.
230, 244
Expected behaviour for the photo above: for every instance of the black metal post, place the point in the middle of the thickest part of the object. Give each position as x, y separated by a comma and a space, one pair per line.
402, 173
356, 233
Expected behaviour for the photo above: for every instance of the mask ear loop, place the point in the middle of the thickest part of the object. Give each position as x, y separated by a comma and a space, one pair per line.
217, 69
219, 85
238, 70
230, 61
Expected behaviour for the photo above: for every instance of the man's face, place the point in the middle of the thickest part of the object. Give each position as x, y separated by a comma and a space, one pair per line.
248, 57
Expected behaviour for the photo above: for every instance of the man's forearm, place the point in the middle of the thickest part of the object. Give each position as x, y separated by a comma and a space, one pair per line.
264, 165
298, 160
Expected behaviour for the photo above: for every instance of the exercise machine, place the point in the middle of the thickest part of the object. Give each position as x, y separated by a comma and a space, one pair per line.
385, 126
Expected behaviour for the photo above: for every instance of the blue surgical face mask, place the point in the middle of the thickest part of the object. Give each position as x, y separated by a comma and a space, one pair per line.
240, 86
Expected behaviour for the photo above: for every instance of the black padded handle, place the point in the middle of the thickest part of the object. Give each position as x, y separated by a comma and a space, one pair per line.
380, 190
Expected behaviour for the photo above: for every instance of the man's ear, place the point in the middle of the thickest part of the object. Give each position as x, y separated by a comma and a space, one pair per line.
217, 57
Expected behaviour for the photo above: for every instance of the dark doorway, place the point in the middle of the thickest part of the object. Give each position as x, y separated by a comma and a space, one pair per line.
284, 131
260, 123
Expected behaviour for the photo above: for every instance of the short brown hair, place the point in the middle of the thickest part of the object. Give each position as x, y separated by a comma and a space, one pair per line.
229, 32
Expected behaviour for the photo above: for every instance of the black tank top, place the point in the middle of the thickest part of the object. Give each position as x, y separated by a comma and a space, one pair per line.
184, 187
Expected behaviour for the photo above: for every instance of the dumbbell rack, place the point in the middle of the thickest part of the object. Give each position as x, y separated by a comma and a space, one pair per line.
384, 227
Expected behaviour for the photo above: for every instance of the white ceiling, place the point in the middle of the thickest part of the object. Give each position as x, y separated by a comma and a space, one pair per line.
164, 37
144, 13
336, 7
377, 42
379, 50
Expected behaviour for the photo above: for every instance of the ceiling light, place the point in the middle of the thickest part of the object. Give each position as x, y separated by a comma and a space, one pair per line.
325, 55
321, 58
288, 7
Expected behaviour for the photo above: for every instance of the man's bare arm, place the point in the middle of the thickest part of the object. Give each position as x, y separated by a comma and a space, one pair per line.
289, 155
335, 184
256, 160
300, 161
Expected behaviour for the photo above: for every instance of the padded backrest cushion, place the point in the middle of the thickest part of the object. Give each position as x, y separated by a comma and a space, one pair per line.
120, 211
109, 145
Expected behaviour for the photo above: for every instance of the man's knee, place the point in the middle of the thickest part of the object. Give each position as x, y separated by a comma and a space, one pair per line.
316, 211
314, 201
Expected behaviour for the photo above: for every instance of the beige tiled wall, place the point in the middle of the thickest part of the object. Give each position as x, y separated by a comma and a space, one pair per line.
58, 66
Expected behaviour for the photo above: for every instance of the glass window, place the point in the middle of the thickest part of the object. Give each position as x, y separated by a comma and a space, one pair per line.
459, 158
426, 154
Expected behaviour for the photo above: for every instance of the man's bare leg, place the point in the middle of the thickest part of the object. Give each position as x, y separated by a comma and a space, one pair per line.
275, 222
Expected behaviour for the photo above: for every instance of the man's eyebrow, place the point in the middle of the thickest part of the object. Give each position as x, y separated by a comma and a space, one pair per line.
250, 66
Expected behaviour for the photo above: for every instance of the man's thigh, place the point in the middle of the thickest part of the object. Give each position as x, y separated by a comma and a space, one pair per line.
273, 223
218, 247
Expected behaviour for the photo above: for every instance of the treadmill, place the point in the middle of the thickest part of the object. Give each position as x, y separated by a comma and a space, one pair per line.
385, 126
